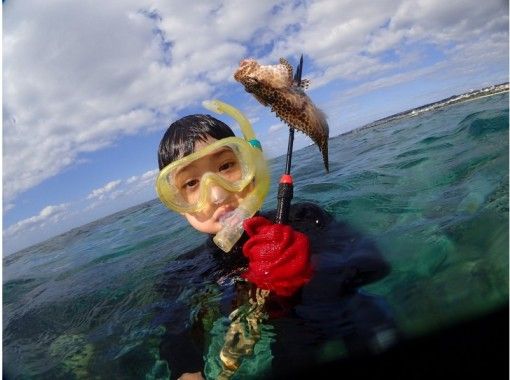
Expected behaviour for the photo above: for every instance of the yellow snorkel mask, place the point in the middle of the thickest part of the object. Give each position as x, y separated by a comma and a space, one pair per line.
244, 166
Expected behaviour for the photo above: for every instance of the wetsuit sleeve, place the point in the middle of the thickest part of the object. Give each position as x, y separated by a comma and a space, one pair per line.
187, 323
182, 347
363, 262
189, 300
341, 252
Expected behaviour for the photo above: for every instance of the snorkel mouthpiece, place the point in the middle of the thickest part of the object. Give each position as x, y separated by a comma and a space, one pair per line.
232, 222
232, 228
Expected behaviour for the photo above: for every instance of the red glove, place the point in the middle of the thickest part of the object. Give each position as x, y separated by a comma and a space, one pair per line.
279, 257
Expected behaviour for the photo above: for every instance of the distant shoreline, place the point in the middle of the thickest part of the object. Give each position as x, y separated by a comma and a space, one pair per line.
454, 99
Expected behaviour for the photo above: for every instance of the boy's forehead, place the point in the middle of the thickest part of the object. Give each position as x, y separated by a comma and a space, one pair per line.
210, 157
198, 145
201, 144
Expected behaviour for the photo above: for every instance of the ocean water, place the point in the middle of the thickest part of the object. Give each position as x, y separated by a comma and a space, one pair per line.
431, 190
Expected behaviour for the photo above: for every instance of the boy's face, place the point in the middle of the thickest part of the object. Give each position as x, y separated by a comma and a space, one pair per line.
224, 163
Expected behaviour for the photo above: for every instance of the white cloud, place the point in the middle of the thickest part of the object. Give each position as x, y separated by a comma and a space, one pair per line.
49, 214
276, 127
348, 39
143, 181
8, 206
104, 191
79, 75
134, 189
100, 202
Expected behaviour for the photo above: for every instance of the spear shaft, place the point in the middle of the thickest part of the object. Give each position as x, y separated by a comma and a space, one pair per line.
286, 185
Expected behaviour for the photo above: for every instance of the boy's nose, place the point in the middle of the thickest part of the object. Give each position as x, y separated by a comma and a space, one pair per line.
218, 194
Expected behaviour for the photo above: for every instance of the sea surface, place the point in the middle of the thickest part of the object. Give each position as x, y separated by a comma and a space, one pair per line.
431, 190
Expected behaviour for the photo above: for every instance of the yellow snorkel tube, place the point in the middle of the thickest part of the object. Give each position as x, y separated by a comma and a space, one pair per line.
233, 225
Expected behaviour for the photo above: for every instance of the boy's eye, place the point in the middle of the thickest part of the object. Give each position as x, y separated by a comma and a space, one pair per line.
226, 166
190, 184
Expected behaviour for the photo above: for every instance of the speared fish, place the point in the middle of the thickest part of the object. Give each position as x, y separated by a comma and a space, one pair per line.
275, 86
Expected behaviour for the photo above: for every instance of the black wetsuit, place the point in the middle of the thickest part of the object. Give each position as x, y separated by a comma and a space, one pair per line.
330, 308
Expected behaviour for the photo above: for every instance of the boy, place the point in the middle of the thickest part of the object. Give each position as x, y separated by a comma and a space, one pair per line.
217, 182
207, 190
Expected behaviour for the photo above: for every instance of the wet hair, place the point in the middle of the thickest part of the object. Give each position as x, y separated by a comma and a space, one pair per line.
181, 136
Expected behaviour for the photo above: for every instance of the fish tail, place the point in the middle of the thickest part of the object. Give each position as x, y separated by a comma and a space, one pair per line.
324, 127
325, 156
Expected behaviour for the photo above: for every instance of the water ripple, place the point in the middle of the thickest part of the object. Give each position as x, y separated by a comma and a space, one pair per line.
432, 191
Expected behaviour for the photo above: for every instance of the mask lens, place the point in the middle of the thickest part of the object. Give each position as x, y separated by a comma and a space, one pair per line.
185, 185
223, 163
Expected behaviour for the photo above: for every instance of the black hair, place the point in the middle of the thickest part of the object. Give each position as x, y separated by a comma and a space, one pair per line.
180, 137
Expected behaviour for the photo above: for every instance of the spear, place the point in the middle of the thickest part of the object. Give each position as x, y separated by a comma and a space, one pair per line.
286, 186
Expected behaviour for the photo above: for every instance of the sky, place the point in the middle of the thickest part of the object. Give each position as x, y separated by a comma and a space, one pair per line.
89, 87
